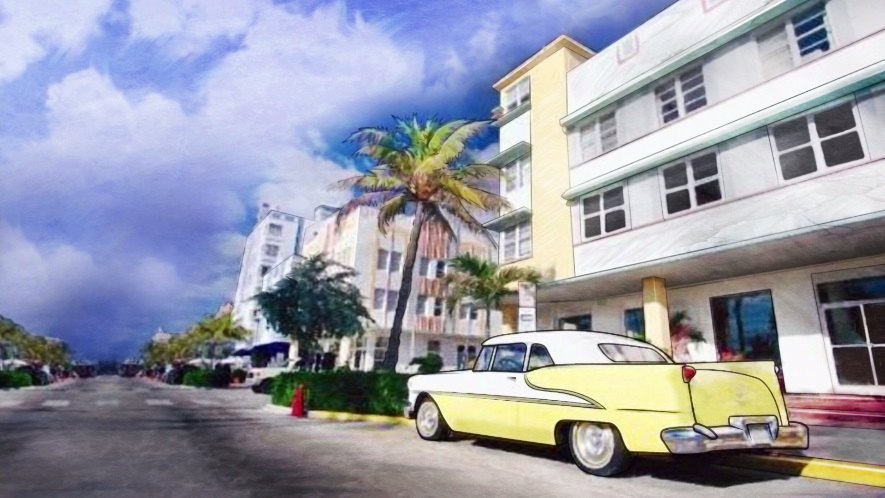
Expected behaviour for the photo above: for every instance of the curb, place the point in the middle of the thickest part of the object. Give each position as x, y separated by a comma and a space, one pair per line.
341, 416
817, 468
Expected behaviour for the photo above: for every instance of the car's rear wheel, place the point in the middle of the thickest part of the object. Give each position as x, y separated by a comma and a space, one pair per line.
598, 449
429, 421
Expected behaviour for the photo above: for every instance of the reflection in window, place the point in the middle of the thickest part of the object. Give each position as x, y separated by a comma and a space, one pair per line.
539, 357
625, 353
509, 358
485, 358
745, 327
634, 323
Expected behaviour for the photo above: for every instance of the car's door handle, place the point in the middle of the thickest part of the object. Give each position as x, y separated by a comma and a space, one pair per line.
511, 378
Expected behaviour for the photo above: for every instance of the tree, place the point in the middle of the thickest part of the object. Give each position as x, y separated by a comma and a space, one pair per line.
215, 331
419, 168
484, 282
317, 300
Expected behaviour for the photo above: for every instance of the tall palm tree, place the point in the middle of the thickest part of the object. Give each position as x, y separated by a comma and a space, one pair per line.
483, 282
419, 168
214, 331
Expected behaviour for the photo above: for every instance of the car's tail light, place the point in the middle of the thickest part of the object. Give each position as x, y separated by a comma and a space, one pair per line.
688, 373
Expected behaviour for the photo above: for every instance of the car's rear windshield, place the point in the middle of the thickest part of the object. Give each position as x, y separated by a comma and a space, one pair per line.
624, 353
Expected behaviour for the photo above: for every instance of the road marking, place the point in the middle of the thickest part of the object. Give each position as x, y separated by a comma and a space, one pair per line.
158, 402
205, 402
107, 402
9, 403
56, 403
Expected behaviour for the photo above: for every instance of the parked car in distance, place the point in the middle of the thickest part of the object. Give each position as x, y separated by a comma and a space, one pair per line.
605, 397
260, 379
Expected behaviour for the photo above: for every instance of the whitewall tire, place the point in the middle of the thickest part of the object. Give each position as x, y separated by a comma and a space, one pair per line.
598, 448
429, 421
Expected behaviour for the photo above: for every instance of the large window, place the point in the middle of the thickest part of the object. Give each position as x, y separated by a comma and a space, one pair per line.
745, 327
691, 183
517, 95
811, 143
599, 136
517, 174
634, 323
605, 212
681, 95
509, 358
578, 322
799, 38
517, 241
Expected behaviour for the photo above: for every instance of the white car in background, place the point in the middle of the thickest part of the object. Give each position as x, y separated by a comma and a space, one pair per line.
260, 379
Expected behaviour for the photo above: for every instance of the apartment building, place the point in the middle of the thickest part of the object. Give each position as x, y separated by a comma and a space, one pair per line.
725, 162
271, 245
428, 326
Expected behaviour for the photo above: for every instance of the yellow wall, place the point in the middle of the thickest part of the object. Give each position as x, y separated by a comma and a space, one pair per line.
551, 219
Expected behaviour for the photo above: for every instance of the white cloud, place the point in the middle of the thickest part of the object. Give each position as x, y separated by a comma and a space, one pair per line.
32, 30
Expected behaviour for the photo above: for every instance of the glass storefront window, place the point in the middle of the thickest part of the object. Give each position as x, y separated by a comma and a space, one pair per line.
745, 327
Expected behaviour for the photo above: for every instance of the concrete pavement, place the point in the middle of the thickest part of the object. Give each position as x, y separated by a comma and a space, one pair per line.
128, 437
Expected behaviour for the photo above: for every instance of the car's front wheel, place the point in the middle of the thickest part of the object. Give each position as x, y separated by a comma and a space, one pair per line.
598, 449
429, 421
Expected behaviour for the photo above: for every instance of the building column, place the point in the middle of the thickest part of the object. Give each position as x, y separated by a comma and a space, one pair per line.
657, 315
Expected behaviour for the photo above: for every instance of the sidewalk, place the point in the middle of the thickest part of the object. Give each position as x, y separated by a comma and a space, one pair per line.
851, 445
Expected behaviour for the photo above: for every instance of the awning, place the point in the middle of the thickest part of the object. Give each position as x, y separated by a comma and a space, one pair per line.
272, 347
508, 220
510, 154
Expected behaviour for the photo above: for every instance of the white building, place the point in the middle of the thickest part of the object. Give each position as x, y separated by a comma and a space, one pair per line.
276, 237
727, 159
378, 259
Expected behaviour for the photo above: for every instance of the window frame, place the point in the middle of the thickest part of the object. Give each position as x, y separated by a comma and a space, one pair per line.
603, 211
495, 357
517, 94
381, 264
521, 171
516, 231
815, 141
267, 250
787, 26
691, 183
528, 364
592, 129
675, 80
275, 229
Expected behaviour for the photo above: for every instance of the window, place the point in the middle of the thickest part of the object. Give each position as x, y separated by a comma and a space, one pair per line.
604, 212
828, 137
521, 233
271, 250
263, 269
395, 260
517, 95
438, 307
599, 136
509, 358
517, 174
274, 229
681, 95
485, 358
625, 353
745, 327
383, 255
579, 322
800, 38
421, 305
423, 266
634, 323
539, 357
440, 269
433, 347
692, 183
378, 299
380, 349
392, 298
463, 311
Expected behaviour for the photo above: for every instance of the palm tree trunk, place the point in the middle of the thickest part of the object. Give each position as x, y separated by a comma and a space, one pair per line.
488, 321
391, 356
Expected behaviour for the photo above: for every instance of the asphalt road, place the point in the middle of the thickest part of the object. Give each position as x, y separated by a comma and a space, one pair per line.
127, 437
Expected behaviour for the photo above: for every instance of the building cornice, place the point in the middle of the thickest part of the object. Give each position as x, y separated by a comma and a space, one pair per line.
562, 41
508, 220
510, 154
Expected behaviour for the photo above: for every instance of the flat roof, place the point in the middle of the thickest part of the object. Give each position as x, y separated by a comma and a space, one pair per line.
561, 41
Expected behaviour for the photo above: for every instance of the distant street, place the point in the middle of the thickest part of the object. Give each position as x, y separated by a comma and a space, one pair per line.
127, 437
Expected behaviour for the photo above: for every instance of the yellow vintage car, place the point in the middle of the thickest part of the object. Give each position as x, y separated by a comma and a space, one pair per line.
607, 397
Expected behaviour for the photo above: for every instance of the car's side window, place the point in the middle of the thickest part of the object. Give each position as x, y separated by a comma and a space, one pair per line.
539, 357
509, 358
484, 359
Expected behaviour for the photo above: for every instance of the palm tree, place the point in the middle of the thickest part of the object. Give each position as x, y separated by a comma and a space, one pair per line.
214, 331
483, 282
419, 168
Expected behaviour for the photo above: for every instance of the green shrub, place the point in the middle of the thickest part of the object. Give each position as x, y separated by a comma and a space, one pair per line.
379, 393
206, 378
14, 380
432, 363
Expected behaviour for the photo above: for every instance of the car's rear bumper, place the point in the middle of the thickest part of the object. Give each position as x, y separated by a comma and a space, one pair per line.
742, 433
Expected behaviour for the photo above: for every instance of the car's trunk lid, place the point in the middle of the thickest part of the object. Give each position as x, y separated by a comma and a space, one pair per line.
720, 391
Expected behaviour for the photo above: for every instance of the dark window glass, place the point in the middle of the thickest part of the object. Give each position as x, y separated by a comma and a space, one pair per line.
875, 314
852, 290
835, 120
615, 220
704, 166
612, 198
592, 227
707, 192
485, 357
745, 327
591, 204
634, 323
678, 201
696, 104
798, 163
675, 176
580, 322
539, 357
814, 41
879, 364
791, 134
853, 365
845, 326
509, 358
842, 149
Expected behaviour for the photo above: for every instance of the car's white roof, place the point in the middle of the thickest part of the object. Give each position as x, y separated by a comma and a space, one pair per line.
569, 346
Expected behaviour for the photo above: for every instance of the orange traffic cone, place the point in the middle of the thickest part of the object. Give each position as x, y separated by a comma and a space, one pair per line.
298, 408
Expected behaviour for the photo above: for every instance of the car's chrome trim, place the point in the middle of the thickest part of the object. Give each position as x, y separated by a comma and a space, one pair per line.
564, 391
517, 399
689, 440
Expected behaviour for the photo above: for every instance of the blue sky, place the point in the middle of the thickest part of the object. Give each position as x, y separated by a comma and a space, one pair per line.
137, 137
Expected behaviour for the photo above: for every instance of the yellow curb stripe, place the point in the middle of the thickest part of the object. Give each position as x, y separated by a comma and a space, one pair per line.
817, 468
358, 417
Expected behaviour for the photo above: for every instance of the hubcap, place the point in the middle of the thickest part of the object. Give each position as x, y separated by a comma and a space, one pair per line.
428, 418
593, 444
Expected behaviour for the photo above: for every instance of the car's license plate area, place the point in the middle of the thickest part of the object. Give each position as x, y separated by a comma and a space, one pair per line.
759, 434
